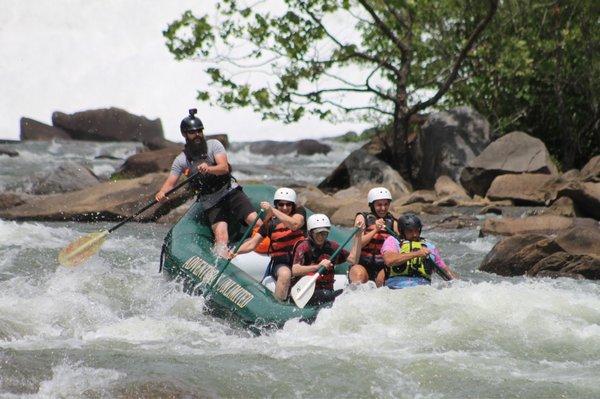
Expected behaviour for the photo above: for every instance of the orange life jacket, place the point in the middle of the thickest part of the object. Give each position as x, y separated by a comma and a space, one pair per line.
282, 239
372, 250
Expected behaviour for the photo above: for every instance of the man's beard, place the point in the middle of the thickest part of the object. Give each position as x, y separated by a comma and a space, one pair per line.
196, 148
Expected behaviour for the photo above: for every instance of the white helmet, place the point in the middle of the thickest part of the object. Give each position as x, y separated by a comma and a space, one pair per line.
285, 194
318, 221
378, 193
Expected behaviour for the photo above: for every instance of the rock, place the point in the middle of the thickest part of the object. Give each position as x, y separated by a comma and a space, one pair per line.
516, 152
68, 176
9, 199
522, 189
572, 174
551, 274
580, 241
445, 186
493, 209
514, 256
111, 200
416, 208
563, 206
360, 167
457, 221
112, 124
447, 142
34, 130
10, 153
422, 196
345, 215
301, 147
544, 224
317, 201
585, 195
149, 162
591, 171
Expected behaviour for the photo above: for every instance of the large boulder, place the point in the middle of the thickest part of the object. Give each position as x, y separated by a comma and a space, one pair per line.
573, 253
515, 152
523, 189
301, 147
66, 177
541, 224
591, 171
112, 124
446, 143
586, 196
10, 199
360, 167
149, 162
34, 130
111, 200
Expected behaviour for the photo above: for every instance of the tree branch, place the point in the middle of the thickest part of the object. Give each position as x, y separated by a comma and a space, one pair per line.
493, 4
384, 28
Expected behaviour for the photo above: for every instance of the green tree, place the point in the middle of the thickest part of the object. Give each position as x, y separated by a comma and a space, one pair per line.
538, 70
393, 55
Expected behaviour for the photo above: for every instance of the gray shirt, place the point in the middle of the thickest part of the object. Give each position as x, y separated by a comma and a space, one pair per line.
181, 163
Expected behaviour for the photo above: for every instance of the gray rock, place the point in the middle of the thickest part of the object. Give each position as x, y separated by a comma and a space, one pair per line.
112, 124
360, 168
34, 130
301, 147
447, 142
68, 176
522, 189
516, 152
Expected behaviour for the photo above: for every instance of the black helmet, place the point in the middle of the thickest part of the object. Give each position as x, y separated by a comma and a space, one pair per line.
191, 123
409, 221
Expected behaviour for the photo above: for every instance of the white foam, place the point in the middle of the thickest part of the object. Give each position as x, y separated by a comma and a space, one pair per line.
34, 235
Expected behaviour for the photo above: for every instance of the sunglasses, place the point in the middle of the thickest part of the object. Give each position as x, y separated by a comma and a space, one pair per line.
284, 204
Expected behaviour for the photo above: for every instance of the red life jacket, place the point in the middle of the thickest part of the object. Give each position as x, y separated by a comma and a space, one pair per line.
372, 250
282, 238
313, 257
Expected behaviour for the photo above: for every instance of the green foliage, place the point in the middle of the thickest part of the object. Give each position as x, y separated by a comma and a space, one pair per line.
537, 71
309, 54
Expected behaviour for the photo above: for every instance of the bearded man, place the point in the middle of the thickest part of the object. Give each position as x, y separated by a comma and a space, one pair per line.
218, 192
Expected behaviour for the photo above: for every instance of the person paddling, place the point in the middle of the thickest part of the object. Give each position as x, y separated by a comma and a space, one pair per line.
409, 260
371, 265
285, 226
218, 192
315, 251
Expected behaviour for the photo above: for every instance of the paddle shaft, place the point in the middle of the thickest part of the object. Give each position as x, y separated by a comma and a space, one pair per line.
443, 273
237, 247
331, 258
151, 203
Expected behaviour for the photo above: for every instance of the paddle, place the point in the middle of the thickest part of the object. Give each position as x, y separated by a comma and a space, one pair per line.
443, 273
304, 289
86, 246
237, 247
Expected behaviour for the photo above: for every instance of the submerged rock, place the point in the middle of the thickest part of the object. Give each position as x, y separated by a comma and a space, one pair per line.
111, 200
68, 176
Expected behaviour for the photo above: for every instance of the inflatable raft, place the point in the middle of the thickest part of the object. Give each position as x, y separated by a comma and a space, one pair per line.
240, 293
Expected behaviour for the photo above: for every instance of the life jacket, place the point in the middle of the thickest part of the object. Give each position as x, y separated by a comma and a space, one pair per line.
416, 267
264, 245
206, 183
314, 256
283, 239
372, 250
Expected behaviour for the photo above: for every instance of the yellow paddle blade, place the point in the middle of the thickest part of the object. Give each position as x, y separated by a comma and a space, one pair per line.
78, 251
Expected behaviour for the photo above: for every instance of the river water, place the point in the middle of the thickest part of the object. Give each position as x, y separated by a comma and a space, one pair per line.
115, 327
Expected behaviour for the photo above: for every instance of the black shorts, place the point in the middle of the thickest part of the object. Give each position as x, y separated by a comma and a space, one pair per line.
235, 204
275, 268
373, 267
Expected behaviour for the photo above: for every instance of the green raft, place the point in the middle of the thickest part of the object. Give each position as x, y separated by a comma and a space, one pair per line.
237, 296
